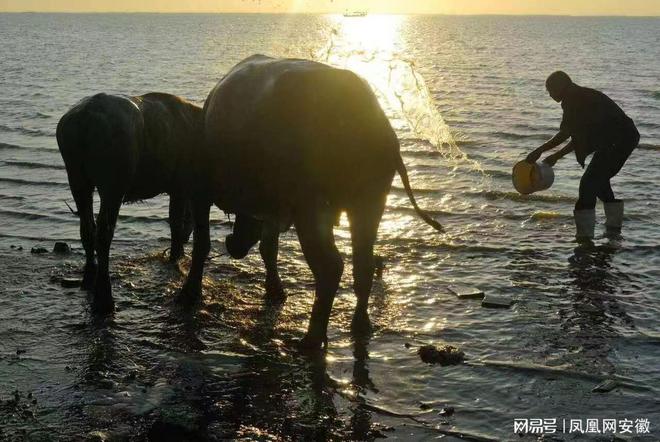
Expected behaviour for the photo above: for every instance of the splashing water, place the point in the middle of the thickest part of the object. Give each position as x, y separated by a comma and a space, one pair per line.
401, 90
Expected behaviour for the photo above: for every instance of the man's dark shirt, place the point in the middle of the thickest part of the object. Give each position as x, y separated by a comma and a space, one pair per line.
594, 122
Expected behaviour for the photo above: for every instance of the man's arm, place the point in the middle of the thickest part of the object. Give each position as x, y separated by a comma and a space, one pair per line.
552, 159
548, 145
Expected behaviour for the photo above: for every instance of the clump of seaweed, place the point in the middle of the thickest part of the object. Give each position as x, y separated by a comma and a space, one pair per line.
445, 355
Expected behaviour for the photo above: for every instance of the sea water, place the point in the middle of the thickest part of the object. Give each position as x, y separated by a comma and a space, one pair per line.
466, 97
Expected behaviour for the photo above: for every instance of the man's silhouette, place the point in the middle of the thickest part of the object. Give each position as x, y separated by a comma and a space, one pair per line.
595, 124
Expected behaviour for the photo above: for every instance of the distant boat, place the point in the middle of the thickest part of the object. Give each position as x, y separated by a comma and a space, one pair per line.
348, 13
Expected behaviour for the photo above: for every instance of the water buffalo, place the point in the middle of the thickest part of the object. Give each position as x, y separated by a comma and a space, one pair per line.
129, 149
291, 141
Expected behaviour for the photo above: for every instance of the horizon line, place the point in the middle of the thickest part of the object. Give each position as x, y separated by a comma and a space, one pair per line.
485, 14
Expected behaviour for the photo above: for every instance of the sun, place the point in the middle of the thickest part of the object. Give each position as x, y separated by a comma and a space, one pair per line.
371, 34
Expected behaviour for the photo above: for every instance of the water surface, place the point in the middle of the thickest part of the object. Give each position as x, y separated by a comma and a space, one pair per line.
466, 97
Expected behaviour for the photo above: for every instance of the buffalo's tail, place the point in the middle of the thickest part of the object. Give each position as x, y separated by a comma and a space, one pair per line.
401, 168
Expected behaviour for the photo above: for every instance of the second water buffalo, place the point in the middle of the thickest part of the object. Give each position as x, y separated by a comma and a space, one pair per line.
128, 149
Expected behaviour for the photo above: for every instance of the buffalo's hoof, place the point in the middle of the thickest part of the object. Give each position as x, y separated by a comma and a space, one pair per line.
312, 345
87, 282
274, 290
190, 295
360, 324
89, 277
176, 254
186, 304
191, 289
103, 305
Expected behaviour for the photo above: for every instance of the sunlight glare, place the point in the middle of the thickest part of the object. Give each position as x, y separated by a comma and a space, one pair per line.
375, 33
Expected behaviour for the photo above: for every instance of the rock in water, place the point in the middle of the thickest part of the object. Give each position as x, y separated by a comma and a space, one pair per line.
38, 250
445, 355
465, 292
70, 282
605, 386
61, 247
97, 436
495, 301
447, 411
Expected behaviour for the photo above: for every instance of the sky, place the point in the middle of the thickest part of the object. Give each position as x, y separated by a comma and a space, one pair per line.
554, 7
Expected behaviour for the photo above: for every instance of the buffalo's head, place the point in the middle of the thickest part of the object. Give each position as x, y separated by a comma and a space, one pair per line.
245, 234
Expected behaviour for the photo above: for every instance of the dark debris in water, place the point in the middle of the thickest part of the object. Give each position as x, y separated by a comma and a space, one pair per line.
447, 411
71, 282
606, 386
445, 355
496, 301
19, 407
61, 247
425, 406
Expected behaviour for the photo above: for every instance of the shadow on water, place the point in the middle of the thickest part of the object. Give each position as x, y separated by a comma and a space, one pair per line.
227, 370
361, 420
590, 318
276, 392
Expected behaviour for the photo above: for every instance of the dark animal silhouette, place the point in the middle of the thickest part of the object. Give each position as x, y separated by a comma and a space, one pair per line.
297, 142
129, 149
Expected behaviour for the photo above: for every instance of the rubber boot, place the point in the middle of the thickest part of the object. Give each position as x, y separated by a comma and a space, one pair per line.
585, 223
613, 217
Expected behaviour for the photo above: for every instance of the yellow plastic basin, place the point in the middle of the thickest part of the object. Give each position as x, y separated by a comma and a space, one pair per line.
529, 178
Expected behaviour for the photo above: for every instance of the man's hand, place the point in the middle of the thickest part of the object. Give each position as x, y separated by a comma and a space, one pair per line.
534, 156
552, 159
548, 145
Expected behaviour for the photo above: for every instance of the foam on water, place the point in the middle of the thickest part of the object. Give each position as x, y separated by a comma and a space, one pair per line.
549, 216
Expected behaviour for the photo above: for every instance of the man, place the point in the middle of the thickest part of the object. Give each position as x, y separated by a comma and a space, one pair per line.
595, 124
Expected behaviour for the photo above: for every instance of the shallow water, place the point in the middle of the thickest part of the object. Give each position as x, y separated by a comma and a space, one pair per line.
467, 99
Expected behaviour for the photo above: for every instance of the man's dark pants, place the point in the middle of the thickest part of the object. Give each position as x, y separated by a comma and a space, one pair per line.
604, 165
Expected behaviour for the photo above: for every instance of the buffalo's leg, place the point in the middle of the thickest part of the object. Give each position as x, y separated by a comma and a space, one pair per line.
105, 229
192, 288
364, 220
83, 194
315, 231
177, 221
268, 248
188, 223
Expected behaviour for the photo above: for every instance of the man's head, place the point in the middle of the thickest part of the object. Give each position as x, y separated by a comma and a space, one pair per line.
556, 84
